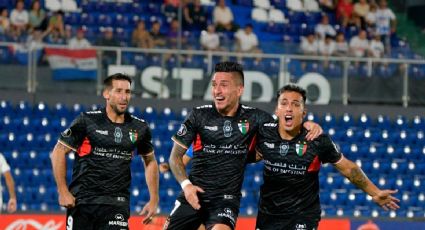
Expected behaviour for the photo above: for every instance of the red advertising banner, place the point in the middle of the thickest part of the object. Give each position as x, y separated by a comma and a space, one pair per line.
57, 222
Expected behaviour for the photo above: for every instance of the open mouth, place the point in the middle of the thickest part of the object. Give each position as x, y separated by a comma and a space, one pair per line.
219, 98
288, 120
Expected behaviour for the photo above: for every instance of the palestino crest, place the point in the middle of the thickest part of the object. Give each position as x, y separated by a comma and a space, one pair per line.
243, 126
300, 148
133, 135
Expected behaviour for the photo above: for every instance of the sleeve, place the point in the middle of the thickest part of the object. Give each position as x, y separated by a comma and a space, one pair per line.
189, 151
75, 134
4, 167
144, 144
187, 131
327, 150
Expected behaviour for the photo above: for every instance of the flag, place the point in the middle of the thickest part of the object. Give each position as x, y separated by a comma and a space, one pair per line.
72, 64
20, 53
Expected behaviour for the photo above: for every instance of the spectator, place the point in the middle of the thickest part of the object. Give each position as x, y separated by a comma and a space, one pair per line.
309, 45
361, 9
327, 46
341, 46
157, 37
35, 39
19, 18
344, 13
37, 15
10, 183
141, 37
194, 16
359, 45
79, 41
172, 35
376, 47
327, 6
223, 17
209, 39
371, 16
246, 40
56, 27
4, 21
324, 28
108, 39
170, 8
385, 23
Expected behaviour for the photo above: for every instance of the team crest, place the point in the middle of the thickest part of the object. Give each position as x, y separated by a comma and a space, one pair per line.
300, 148
243, 126
133, 136
283, 149
118, 135
227, 128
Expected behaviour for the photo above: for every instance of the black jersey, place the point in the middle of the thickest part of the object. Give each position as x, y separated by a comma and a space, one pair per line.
101, 172
291, 168
220, 147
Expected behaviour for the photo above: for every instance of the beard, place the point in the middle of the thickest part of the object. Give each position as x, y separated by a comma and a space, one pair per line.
117, 110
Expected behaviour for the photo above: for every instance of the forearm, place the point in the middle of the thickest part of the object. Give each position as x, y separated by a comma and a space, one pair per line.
152, 179
176, 163
356, 176
10, 183
59, 166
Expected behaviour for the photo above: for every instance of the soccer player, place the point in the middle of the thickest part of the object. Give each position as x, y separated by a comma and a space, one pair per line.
223, 133
104, 142
289, 197
5, 170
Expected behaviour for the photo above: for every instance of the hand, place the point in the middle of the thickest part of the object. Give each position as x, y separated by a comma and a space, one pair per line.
385, 199
190, 193
149, 211
164, 167
11, 205
314, 130
66, 199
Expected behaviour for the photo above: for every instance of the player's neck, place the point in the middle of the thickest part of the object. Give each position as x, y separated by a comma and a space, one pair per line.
230, 112
288, 135
113, 116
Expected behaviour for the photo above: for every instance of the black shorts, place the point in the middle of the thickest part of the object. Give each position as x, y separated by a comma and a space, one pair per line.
275, 222
213, 211
97, 216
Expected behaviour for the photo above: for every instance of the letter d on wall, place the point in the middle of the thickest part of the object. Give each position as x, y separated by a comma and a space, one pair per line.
321, 83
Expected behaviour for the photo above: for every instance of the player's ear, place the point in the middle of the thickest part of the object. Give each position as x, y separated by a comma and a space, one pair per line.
304, 111
105, 93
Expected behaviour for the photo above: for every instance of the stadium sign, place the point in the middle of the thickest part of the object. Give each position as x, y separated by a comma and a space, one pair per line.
259, 87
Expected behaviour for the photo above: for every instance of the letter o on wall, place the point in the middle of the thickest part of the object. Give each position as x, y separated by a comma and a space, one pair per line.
321, 83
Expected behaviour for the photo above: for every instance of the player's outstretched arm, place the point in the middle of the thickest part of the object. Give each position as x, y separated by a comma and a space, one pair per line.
314, 130
152, 181
355, 174
66, 199
10, 183
178, 168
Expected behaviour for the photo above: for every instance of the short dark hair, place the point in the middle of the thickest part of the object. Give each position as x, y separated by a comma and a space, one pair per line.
107, 83
292, 88
229, 67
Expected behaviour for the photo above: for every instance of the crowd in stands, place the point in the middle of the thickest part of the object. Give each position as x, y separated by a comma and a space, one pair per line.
374, 23
370, 23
